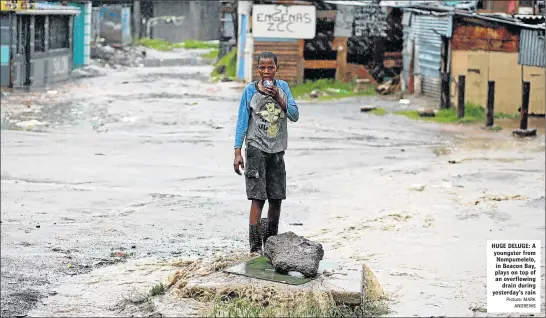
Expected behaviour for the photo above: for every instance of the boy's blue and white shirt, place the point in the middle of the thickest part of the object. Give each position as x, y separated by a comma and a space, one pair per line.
261, 119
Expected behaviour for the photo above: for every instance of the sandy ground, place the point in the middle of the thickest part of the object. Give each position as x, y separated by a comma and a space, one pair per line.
140, 162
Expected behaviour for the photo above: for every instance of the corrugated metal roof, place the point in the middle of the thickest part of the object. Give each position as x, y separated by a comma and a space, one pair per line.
528, 17
438, 10
505, 20
531, 48
51, 8
350, 3
405, 3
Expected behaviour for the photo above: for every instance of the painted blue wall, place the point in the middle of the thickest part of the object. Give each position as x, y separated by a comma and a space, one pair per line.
4, 54
79, 36
242, 43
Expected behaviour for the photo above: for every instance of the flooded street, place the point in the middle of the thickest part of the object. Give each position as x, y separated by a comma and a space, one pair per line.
137, 166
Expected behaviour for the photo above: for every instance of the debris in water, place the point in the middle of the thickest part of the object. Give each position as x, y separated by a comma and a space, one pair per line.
389, 87
367, 108
506, 197
452, 161
297, 224
427, 112
525, 132
405, 102
29, 124
37, 226
417, 187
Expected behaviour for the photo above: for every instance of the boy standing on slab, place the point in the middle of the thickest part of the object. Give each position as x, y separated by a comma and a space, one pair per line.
265, 106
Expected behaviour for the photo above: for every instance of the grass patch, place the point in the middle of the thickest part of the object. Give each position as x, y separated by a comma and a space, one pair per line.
473, 114
213, 54
226, 66
328, 89
162, 45
301, 306
501, 115
495, 128
158, 289
193, 44
378, 111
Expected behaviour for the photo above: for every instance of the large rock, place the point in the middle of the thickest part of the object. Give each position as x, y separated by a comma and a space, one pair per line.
289, 252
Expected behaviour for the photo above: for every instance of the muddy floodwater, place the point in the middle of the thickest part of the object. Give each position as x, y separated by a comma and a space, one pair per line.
105, 176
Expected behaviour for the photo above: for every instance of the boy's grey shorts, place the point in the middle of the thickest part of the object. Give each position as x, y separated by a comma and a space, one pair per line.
265, 175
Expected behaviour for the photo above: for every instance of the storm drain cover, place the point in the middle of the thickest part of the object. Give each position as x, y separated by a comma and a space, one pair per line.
261, 268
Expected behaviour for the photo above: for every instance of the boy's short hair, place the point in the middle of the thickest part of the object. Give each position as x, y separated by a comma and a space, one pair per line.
267, 55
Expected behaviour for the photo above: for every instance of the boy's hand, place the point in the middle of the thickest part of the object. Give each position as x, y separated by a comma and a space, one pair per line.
272, 91
238, 161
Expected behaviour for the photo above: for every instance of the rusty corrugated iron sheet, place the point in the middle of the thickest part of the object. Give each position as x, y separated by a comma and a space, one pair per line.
531, 51
481, 38
287, 53
424, 33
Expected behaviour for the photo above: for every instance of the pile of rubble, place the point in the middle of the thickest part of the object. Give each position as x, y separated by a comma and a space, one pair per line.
128, 56
390, 86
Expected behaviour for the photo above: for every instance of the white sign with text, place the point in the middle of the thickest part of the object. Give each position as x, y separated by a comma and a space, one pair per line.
513, 276
282, 21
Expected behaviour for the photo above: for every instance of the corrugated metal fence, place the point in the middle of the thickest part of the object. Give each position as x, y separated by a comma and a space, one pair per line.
115, 24
531, 51
424, 33
177, 21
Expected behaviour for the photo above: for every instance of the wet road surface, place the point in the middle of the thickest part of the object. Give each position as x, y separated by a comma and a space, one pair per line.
138, 164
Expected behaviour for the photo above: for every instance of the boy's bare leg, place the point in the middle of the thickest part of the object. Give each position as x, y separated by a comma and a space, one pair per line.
254, 235
256, 211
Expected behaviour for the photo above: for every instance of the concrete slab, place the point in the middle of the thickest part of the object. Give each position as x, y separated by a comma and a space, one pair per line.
344, 284
261, 268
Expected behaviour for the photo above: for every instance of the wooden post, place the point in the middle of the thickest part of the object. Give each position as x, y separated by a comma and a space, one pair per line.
524, 112
445, 98
341, 48
460, 96
490, 104
300, 74
523, 131
411, 80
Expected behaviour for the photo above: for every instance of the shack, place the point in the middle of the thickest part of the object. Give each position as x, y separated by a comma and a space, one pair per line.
36, 44
344, 40
500, 49
426, 50
532, 59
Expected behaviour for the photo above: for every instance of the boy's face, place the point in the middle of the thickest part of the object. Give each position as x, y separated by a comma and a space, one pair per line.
267, 68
